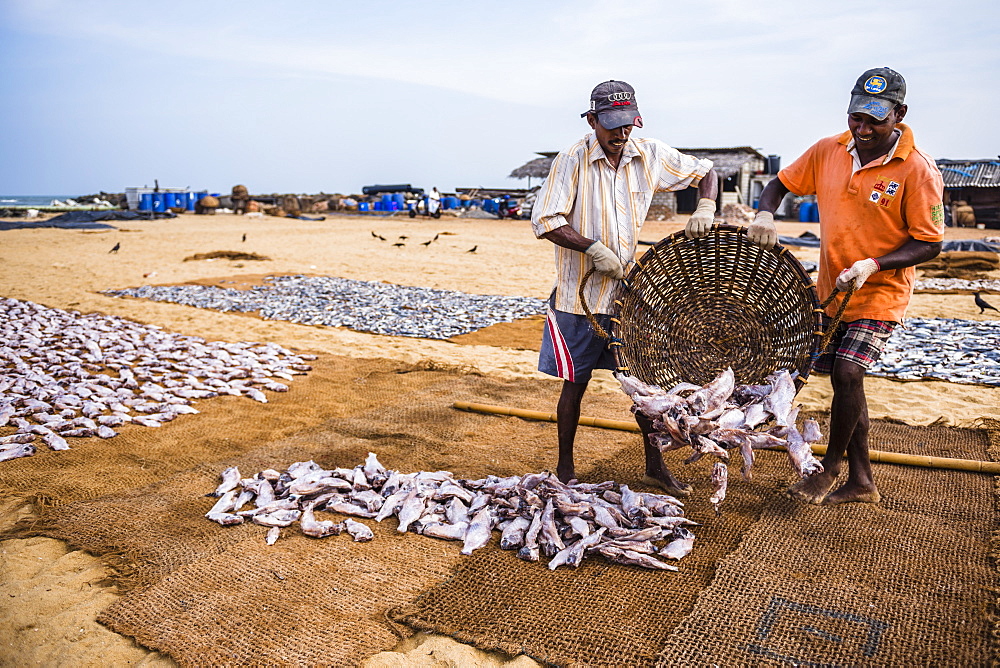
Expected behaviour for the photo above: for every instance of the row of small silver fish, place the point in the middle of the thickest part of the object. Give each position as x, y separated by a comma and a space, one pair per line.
64, 374
721, 416
949, 349
365, 306
962, 284
536, 514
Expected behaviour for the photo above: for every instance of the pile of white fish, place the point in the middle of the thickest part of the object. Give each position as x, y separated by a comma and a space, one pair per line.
65, 375
536, 514
364, 306
721, 416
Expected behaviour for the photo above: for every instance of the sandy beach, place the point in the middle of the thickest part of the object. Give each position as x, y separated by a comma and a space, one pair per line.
50, 595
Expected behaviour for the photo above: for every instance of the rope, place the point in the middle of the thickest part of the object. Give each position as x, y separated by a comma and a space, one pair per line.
832, 329
586, 309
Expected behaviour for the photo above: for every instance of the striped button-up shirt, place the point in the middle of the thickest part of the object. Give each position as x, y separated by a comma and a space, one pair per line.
585, 192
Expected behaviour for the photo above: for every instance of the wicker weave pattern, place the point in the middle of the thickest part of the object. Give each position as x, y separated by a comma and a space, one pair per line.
690, 308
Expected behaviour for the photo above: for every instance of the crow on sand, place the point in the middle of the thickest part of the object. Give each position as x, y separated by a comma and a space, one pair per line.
983, 304
473, 249
115, 248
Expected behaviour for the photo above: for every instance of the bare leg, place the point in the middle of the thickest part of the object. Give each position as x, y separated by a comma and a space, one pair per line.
851, 405
567, 419
657, 473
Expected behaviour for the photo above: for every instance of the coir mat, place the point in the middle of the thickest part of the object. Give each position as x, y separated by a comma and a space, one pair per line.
770, 582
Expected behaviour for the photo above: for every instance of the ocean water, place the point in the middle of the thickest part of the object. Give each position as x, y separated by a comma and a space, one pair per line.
31, 200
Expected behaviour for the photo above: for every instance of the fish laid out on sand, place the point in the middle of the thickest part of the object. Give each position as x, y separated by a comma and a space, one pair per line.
364, 306
68, 375
536, 514
722, 416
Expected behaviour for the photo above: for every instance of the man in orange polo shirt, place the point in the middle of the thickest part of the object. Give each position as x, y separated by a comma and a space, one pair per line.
880, 214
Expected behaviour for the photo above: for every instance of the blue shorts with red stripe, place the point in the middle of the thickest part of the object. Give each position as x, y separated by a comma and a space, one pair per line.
859, 341
571, 349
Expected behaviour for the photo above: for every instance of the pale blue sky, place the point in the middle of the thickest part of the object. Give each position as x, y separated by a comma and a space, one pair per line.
329, 96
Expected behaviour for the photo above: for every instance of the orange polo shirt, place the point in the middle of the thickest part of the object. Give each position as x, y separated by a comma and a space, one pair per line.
868, 213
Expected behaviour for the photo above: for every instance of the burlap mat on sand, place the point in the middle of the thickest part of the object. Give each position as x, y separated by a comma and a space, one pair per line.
205, 594
880, 585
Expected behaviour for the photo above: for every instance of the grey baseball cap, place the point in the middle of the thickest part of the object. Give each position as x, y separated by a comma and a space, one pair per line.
877, 92
615, 105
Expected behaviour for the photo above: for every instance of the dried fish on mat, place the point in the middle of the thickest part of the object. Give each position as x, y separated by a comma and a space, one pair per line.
364, 306
722, 416
536, 514
68, 375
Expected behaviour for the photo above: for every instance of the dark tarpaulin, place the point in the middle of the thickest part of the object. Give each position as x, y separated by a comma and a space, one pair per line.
970, 245
85, 220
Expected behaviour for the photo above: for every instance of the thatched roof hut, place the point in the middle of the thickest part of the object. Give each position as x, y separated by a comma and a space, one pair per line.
538, 168
727, 161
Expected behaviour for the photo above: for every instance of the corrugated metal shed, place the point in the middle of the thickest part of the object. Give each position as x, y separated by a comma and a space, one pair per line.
970, 173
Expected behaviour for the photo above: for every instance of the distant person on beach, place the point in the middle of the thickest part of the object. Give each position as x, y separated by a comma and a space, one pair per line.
881, 213
591, 207
433, 201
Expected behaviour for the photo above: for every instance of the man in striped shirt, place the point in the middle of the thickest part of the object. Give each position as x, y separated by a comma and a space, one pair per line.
591, 207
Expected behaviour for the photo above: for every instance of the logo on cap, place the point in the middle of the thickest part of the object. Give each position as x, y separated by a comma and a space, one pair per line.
623, 95
875, 85
875, 108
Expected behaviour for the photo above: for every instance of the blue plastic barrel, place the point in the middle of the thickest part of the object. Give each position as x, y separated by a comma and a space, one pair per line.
386, 202
814, 213
192, 199
146, 202
158, 202
377, 206
399, 200
169, 200
362, 206
805, 212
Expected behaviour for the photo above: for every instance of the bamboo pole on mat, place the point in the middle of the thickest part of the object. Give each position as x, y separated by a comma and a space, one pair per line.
921, 461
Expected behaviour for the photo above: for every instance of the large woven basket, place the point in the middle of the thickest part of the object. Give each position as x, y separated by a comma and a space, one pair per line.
691, 308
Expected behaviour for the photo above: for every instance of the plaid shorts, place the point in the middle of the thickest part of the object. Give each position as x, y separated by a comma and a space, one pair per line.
859, 341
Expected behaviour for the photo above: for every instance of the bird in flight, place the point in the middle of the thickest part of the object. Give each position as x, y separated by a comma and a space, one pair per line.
399, 243
115, 248
473, 249
401, 236
983, 304
436, 236
244, 236
426, 243
374, 235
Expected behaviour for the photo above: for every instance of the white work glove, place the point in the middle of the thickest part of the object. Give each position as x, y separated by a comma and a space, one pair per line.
762, 231
858, 273
701, 220
605, 261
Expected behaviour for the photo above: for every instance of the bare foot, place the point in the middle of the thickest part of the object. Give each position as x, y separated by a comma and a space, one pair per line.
813, 489
668, 483
850, 493
566, 474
